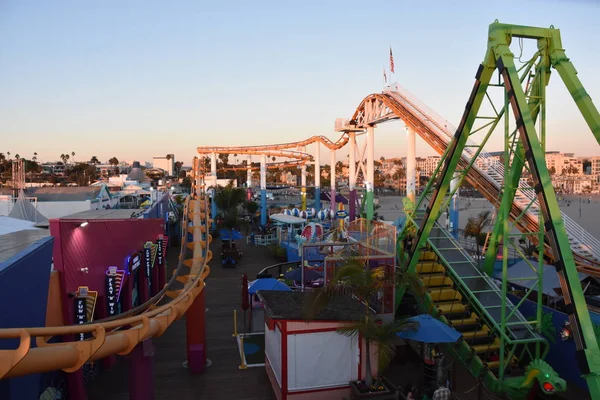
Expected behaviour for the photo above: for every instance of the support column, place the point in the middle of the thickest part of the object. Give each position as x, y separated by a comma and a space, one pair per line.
213, 207
454, 206
303, 183
352, 175
141, 371
198, 177
249, 178
213, 169
213, 183
263, 190
195, 316
195, 326
317, 176
332, 177
411, 164
370, 183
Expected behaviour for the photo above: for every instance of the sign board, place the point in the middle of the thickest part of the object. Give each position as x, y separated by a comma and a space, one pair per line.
80, 313
341, 214
112, 292
148, 261
134, 262
160, 251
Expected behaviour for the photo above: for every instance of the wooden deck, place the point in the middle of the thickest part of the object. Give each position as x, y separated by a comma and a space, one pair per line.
223, 379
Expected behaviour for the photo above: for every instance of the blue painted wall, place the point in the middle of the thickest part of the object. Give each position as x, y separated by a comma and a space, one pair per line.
24, 281
562, 353
159, 208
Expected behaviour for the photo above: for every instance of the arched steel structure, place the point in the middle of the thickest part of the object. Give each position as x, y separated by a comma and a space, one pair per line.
438, 133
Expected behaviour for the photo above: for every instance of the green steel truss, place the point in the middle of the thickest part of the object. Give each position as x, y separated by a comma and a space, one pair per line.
524, 148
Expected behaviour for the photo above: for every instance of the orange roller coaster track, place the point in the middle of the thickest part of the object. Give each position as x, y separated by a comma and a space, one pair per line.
120, 334
280, 150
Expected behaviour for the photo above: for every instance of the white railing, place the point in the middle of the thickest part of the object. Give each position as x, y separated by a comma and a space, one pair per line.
581, 241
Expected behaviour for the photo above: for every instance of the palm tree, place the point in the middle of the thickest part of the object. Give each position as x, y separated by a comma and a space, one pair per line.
17, 156
475, 228
354, 278
73, 154
34, 158
93, 160
62, 157
228, 199
8, 155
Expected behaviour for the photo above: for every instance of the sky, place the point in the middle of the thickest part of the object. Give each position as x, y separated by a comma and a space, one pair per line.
137, 79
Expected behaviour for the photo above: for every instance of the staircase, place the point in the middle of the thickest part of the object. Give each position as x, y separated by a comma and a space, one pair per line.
461, 295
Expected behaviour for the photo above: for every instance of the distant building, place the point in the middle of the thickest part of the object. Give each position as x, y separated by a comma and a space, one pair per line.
56, 202
164, 163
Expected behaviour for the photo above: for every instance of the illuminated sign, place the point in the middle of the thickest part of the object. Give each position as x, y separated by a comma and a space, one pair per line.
148, 260
341, 214
114, 280
135, 262
160, 251
80, 313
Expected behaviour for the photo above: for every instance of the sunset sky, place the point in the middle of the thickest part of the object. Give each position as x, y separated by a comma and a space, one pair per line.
136, 79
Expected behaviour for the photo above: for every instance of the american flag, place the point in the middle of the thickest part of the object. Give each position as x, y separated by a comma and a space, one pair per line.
391, 61
384, 75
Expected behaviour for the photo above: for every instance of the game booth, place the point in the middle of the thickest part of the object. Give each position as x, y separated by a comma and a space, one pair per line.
106, 267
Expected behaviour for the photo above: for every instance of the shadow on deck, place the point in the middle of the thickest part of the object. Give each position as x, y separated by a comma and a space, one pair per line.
223, 379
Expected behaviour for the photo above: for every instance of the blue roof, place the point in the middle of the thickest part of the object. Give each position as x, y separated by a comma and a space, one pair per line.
522, 269
267, 284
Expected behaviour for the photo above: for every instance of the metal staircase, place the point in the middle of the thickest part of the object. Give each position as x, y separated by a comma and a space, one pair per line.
464, 297
487, 175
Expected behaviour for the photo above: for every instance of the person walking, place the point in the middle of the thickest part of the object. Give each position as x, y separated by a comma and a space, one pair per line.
442, 393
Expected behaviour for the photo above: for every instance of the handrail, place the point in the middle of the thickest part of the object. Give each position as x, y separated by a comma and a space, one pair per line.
278, 266
110, 335
444, 127
436, 132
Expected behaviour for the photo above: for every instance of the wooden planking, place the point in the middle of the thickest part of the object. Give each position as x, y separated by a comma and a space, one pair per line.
223, 379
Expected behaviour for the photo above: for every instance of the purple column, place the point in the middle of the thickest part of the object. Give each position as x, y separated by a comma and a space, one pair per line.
141, 371
352, 201
333, 200
75, 385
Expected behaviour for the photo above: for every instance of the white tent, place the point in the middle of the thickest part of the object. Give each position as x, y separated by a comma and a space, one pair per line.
23, 209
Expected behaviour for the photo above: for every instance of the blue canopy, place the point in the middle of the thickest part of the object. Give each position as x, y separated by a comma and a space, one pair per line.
430, 330
225, 234
267, 284
522, 269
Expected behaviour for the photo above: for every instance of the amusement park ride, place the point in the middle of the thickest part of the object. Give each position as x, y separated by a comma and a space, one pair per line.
458, 290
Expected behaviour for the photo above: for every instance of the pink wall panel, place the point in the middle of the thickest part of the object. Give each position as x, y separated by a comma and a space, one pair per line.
100, 244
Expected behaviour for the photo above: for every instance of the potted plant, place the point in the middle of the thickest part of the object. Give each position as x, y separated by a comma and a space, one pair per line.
354, 278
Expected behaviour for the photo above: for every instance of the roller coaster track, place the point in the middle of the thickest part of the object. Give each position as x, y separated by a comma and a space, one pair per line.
280, 150
122, 333
486, 176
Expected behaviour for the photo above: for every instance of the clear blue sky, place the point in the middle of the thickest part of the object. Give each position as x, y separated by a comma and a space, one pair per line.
133, 79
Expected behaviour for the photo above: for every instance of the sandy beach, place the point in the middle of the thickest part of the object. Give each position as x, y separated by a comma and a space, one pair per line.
587, 215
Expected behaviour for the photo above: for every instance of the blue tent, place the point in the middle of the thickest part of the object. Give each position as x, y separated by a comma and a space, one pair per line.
430, 330
267, 284
522, 269
225, 234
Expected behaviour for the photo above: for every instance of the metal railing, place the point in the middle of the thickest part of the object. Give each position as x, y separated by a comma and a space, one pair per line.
582, 241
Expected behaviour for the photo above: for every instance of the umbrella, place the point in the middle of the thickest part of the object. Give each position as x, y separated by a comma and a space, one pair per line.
267, 284
430, 330
225, 234
309, 275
